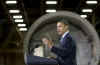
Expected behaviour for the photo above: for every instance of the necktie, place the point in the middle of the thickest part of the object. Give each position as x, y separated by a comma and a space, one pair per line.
61, 40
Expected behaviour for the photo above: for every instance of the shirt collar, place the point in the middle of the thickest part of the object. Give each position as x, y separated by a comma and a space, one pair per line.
65, 34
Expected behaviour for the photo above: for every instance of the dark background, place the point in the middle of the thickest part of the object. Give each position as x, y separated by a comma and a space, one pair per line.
11, 39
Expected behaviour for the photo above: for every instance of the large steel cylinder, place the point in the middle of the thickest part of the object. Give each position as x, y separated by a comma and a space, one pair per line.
87, 40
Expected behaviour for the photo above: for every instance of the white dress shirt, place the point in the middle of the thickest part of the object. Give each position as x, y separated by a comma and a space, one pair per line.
65, 34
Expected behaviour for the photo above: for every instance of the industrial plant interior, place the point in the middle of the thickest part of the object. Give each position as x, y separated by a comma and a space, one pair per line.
24, 22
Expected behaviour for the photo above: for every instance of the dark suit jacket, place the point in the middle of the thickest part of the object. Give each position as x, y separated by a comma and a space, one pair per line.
66, 52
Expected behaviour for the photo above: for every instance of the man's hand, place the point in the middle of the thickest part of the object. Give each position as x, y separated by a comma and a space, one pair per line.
47, 42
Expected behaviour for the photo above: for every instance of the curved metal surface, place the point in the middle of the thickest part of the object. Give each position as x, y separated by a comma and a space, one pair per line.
88, 45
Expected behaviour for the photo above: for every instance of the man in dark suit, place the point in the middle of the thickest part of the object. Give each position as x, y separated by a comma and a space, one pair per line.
66, 52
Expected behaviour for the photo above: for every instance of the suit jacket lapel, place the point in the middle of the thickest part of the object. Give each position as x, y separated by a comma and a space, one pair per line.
63, 39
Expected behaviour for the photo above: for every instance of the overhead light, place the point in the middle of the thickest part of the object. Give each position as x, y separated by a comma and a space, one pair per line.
22, 29
21, 25
51, 2
11, 2
83, 16
91, 2
18, 20
14, 11
17, 16
51, 10
87, 10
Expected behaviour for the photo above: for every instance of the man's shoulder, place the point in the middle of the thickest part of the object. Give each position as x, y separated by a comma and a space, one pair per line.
68, 36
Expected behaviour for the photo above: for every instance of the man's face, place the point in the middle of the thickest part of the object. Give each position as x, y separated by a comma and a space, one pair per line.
61, 28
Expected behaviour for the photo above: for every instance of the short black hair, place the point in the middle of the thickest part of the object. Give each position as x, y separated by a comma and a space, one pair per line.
64, 21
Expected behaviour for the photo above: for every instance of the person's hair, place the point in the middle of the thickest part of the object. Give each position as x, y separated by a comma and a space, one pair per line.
64, 21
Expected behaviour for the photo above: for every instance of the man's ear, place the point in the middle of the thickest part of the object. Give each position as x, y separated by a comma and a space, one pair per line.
66, 26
